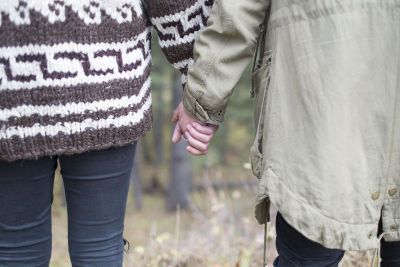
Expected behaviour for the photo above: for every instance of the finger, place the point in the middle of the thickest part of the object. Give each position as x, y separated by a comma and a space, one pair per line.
195, 151
177, 135
195, 143
175, 116
210, 129
204, 138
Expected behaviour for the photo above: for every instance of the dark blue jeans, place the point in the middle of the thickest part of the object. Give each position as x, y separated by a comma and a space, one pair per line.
295, 250
96, 187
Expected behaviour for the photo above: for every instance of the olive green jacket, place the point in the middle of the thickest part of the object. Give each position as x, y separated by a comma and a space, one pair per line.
327, 88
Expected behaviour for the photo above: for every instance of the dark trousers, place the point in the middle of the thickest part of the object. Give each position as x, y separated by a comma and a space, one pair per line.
96, 187
295, 250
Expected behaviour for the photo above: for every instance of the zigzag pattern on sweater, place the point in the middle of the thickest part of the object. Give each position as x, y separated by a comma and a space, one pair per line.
182, 27
70, 64
75, 74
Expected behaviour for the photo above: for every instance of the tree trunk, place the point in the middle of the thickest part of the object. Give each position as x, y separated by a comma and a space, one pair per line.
181, 176
158, 129
136, 178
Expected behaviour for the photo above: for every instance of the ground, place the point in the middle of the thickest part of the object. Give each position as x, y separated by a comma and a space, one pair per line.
218, 231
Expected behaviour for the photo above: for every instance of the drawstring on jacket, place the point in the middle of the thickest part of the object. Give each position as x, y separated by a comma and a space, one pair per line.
376, 260
265, 259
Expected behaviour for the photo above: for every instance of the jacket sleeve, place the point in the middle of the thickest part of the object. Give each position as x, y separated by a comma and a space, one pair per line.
222, 52
177, 23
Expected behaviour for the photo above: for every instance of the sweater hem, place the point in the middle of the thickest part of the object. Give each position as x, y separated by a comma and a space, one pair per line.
63, 144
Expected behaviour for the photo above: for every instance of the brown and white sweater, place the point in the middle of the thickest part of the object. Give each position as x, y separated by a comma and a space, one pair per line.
75, 74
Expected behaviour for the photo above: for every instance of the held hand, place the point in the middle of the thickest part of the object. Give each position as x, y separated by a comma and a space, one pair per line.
182, 119
197, 134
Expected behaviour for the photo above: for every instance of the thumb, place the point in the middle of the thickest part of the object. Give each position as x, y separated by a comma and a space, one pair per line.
177, 135
175, 115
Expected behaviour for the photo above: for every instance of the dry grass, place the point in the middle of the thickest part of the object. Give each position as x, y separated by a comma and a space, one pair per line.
218, 232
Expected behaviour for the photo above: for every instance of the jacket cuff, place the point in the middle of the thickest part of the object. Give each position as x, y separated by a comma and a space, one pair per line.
193, 107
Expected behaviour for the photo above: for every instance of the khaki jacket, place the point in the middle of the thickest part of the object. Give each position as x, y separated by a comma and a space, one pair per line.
327, 88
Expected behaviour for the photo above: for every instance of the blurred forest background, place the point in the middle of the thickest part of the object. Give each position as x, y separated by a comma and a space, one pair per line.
186, 211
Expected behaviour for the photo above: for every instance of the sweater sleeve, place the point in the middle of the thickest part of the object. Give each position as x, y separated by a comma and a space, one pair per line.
177, 23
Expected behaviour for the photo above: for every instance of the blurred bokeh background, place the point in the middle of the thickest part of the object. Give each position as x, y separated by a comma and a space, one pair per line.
185, 211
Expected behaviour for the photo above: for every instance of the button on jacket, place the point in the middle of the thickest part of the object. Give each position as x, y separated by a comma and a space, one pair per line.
327, 101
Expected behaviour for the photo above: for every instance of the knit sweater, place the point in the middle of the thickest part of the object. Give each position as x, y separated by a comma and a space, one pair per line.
75, 74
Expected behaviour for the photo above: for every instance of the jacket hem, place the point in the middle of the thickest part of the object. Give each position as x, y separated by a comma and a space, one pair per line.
317, 227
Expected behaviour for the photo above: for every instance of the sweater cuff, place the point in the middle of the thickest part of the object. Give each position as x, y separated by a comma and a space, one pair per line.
193, 107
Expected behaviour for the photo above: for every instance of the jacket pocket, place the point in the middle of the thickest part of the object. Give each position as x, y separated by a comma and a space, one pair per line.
260, 80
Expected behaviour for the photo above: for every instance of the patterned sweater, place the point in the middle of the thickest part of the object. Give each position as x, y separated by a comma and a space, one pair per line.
74, 74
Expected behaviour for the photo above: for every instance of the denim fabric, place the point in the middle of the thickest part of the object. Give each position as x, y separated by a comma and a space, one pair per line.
390, 252
295, 250
96, 186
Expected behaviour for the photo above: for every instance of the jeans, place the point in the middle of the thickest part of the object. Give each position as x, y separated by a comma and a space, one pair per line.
96, 188
295, 250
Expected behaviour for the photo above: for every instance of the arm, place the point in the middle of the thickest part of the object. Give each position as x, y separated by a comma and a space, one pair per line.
222, 52
177, 23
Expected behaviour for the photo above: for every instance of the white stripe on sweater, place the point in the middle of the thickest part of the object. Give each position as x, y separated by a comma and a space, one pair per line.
90, 11
131, 119
75, 108
184, 63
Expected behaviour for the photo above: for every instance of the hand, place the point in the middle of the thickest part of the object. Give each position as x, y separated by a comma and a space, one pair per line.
197, 134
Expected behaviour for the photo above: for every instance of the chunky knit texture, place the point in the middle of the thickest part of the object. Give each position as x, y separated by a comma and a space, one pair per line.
74, 74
